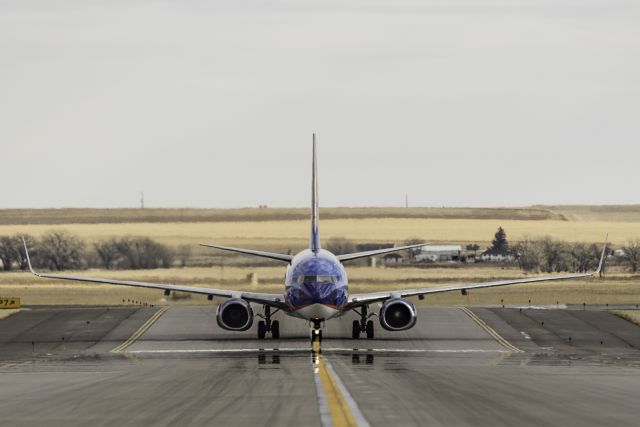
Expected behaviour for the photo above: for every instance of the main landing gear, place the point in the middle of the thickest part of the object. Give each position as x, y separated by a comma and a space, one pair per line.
316, 330
363, 325
268, 325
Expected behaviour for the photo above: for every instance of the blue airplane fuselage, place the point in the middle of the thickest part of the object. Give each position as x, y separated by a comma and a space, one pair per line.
316, 285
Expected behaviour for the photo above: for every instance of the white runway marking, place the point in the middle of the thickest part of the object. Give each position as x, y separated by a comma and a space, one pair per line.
299, 350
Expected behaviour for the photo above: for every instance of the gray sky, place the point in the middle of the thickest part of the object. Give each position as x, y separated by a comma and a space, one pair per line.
212, 103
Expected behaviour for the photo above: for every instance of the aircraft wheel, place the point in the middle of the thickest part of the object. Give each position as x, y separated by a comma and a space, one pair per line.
275, 329
370, 329
262, 330
355, 331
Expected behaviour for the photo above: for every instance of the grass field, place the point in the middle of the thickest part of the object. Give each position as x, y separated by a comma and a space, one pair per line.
630, 315
606, 213
610, 213
287, 229
4, 313
100, 216
293, 234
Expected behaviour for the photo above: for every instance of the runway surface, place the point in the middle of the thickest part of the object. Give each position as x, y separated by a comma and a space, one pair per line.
457, 367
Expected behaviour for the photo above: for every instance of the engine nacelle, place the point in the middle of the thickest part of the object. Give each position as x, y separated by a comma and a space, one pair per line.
398, 314
235, 314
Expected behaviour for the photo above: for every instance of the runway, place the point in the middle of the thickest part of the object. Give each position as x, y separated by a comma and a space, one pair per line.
483, 366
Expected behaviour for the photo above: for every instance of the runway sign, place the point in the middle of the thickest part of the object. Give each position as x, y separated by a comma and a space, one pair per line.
9, 302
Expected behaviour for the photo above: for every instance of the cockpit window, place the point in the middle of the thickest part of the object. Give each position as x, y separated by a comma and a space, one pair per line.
317, 279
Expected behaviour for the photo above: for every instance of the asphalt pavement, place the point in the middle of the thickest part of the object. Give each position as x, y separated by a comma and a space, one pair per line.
457, 367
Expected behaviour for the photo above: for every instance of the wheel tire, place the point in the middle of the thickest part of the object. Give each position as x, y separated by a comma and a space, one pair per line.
262, 330
370, 329
355, 331
275, 329
320, 335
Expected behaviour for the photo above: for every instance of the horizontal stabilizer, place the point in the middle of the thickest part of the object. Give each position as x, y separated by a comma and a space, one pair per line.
272, 255
356, 255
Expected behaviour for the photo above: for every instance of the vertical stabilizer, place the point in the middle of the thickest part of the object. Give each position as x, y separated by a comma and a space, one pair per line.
314, 243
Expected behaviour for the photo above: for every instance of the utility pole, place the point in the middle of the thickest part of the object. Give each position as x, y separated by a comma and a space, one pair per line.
142, 200
406, 200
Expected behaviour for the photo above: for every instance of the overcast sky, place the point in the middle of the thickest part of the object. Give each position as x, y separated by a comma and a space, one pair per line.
213, 103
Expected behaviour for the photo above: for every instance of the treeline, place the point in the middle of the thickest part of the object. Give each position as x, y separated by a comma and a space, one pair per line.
550, 255
61, 250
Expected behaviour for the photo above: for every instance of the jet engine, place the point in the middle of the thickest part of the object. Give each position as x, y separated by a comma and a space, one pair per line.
235, 314
397, 314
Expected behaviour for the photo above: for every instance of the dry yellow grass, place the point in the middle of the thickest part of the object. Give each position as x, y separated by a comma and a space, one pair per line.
614, 213
97, 216
8, 312
630, 315
293, 234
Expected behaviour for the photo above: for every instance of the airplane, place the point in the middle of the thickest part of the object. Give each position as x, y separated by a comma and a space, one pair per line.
316, 288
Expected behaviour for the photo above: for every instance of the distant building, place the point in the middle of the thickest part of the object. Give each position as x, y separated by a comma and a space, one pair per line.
393, 258
439, 253
493, 255
618, 253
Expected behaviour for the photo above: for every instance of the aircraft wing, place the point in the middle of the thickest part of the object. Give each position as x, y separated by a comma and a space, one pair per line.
356, 255
274, 300
357, 300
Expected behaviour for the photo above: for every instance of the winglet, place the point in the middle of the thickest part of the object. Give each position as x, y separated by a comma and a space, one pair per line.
26, 252
604, 252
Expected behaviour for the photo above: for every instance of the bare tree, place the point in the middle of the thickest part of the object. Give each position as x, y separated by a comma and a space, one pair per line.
340, 245
631, 255
107, 252
8, 254
530, 255
554, 253
183, 253
61, 250
142, 253
584, 257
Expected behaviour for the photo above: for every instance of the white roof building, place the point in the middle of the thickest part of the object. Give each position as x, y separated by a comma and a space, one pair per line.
439, 253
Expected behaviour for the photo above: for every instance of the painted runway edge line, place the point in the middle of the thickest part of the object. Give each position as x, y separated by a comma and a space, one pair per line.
141, 330
506, 344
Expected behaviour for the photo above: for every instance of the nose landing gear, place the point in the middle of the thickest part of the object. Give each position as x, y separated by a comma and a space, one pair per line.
268, 325
363, 325
316, 330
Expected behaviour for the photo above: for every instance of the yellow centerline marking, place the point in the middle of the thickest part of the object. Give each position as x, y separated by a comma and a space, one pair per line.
506, 344
338, 408
141, 330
